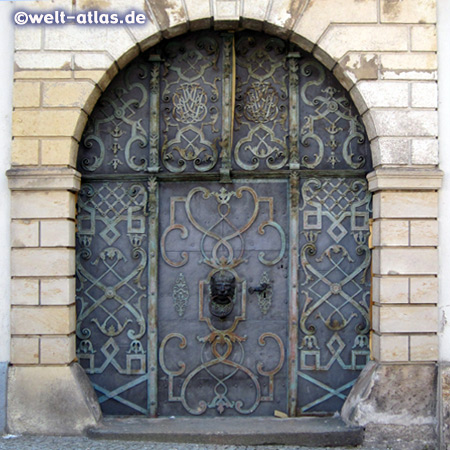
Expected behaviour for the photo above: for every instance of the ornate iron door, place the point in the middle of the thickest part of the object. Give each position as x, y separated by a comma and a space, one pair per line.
223, 299
223, 223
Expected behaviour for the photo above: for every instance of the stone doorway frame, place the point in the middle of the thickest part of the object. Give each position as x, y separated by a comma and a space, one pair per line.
385, 58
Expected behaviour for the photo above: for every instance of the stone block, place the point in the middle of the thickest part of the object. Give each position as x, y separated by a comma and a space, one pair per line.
58, 350
226, 14
29, 262
24, 291
424, 232
42, 205
170, 16
390, 348
51, 400
48, 122
408, 66
3, 382
445, 405
101, 77
425, 151
340, 39
27, 38
390, 289
57, 291
92, 60
317, 16
57, 233
116, 40
254, 12
59, 152
424, 95
24, 233
283, 14
408, 11
70, 94
43, 320
405, 261
408, 319
423, 38
390, 232
42, 74
199, 14
25, 152
390, 151
405, 204
424, 290
424, 347
356, 67
380, 94
43, 60
44, 178
26, 94
393, 394
404, 123
24, 350
405, 179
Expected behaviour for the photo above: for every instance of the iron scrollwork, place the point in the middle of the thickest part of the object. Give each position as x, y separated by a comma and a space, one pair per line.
222, 296
261, 103
190, 94
332, 135
112, 292
117, 135
334, 261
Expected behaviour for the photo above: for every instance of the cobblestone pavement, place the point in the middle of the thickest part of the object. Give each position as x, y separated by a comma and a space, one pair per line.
82, 443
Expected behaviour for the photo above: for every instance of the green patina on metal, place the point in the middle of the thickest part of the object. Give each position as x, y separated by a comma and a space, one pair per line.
223, 221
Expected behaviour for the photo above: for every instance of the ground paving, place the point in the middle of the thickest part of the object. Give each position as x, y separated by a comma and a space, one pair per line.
83, 443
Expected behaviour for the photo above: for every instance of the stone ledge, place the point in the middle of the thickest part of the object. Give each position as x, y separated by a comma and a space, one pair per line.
393, 394
405, 179
56, 400
44, 179
299, 431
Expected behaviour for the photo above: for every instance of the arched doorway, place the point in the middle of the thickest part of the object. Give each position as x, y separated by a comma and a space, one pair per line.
223, 223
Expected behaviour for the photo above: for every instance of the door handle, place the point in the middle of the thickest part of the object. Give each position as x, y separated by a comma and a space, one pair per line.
261, 288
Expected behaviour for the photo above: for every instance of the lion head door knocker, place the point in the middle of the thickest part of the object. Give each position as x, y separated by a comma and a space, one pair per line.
222, 291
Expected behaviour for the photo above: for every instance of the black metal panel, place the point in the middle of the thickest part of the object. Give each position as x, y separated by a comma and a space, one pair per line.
228, 106
231, 365
116, 137
332, 136
112, 296
191, 90
334, 290
262, 103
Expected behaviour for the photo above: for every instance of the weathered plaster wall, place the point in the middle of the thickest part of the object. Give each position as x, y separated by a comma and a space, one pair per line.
382, 51
444, 221
6, 80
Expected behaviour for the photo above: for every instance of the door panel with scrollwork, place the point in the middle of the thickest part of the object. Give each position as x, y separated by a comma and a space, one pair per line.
218, 357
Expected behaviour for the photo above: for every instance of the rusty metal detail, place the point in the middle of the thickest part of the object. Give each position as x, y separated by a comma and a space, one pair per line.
219, 229
264, 292
180, 295
332, 134
222, 254
191, 112
335, 290
261, 117
112, 293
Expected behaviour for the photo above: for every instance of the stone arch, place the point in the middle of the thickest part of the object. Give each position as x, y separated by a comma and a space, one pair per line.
352, 42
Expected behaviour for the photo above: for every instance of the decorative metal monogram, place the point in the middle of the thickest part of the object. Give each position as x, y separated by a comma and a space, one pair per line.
222, 232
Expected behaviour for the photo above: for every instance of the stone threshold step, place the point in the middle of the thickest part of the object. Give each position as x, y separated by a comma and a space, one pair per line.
300, 431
